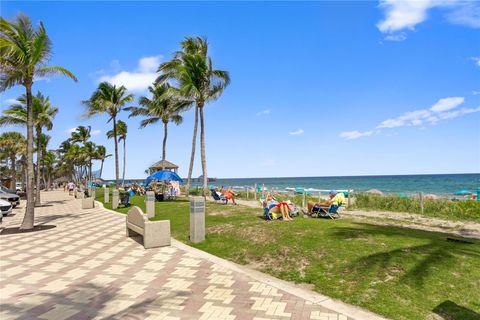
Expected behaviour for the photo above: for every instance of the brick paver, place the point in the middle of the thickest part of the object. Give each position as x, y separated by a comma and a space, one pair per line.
86, 268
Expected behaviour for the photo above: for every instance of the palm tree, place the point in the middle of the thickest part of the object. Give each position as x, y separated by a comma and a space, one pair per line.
81, 134
49, 160
198, 82
12, 144
161, 107
101, 154
43, 114
44, 141
24, 52
122, 130
109, 99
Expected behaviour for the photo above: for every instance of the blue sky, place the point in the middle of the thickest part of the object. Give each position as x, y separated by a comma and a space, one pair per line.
318, 88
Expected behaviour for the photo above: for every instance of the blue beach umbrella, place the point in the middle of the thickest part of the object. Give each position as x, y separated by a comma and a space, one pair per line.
163, 175
462, 192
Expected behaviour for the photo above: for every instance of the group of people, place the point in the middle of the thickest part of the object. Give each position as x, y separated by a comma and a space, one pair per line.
285, 208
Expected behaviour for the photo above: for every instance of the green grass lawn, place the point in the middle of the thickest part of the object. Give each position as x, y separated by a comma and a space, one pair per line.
396, 272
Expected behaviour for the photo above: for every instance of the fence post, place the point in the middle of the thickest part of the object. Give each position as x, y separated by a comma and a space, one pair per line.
197, 219
303, 200
421, 202
247, 192
349, 196
255, 191
319, 198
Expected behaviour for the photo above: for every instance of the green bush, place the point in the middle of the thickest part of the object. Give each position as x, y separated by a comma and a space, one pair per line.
441, 208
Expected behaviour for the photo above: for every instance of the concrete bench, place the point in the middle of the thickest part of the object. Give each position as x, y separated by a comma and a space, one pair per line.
154, 233
88, 203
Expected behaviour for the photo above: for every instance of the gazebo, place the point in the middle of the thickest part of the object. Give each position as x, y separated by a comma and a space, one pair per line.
163, 165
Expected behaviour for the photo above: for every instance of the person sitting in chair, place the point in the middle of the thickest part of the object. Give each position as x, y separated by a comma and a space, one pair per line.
230, 195
334, 198
276, 207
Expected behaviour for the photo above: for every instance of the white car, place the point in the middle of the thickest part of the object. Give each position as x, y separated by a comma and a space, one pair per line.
5, 207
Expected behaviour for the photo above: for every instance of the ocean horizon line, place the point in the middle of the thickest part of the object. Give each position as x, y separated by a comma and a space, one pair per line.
339, 176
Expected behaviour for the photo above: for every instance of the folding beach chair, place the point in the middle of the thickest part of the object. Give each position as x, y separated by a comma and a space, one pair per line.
327, 212
218, 198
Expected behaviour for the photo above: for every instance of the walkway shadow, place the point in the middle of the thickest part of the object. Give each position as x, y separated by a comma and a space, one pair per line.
435, 251
47, 219
89, 299
450, 310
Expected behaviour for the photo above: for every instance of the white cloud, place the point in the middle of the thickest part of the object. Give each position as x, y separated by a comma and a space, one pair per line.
466, 14
406, 14
71, 130
443, 109
138, 80
396, 37
350, 135
263, 112
95, 132
447, 104
477, 60
296, 133
10, 101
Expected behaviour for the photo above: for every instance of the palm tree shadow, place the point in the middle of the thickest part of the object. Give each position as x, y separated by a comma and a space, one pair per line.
450, 310
434, 252
87, 298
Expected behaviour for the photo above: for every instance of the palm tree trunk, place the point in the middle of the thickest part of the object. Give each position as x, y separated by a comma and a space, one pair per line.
124, 161
116, 150
164, 140
38, 201
192, 156
29, 217
202, 151
14, 171
101, 169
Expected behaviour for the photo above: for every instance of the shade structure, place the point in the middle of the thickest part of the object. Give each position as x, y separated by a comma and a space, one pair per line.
430, 196
375, 191
462, 192
163, 175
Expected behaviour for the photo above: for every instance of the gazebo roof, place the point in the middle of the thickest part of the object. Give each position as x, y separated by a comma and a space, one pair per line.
163, 164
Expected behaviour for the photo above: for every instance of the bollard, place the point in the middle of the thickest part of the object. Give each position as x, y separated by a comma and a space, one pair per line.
89, 191
150, 204
94, 192
197, 219
115, 199
80, 194
349, 197
106, 194
88, 203
303, 200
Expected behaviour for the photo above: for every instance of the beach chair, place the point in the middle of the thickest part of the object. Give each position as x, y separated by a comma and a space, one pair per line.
125, 200
218, 198
329, 212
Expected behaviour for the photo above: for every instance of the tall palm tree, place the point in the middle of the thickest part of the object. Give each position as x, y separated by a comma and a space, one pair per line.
42, 149
12, 144
24, 51
49, 160
109, 99
122, 131
101, 154
198, 82
81, 134
162, 106
43, 114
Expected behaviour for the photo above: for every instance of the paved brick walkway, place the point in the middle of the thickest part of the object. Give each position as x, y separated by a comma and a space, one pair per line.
86, 268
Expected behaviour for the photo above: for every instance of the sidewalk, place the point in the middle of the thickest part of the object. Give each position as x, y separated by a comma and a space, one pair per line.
86, 268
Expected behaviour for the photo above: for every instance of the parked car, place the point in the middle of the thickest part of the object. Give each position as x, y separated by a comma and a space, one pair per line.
10, 197
5, 189
5, 208
18, 187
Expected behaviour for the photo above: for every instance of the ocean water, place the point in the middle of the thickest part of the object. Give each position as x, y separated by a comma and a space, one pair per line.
441, 184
